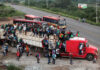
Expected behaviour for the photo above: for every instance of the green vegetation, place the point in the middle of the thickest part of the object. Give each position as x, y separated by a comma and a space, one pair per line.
12, 67
7, 11
66, 15
67, 8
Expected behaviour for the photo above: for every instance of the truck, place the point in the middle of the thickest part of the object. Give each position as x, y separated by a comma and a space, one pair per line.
78, 47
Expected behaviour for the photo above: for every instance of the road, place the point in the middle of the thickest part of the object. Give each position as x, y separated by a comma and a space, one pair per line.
91, 32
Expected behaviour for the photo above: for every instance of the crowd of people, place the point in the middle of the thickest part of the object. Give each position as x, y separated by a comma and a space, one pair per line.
51, 46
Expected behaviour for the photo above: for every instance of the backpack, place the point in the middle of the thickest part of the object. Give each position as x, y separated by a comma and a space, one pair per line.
61, 35
45, 42
18, 54
58, 31
27, 49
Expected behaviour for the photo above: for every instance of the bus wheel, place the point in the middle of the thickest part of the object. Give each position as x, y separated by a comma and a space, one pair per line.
90, 57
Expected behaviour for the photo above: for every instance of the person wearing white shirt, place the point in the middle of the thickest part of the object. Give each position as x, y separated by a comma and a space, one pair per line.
24, 29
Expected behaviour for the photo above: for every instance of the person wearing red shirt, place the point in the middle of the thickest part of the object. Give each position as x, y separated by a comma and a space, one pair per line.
18, 55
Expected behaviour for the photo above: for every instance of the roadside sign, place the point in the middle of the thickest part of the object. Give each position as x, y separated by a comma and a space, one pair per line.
82, 6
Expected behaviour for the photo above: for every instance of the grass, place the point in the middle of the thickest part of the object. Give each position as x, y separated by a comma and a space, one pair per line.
13, 67
7, 11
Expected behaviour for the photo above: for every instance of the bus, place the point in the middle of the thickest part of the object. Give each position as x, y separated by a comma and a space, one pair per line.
33, 17
55, 21
24, 21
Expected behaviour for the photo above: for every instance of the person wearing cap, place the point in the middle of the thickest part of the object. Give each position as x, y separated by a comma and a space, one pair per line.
6, 46
49, 57
18, 55
4, 50
80, 48
94, 60
24, 29
78, 34
57, 47
53, 56
27, 50
71, 61
38, 57
61, 35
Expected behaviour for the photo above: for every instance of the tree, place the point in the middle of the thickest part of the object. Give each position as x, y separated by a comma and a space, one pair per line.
63, 3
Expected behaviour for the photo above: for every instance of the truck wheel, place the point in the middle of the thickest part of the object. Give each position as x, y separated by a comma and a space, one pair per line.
90, 57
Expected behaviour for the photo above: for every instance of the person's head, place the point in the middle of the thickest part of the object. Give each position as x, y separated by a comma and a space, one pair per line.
64, 19
6, 44
77, 31
81, 43
18, 50
59, 16
26, 44
69, 30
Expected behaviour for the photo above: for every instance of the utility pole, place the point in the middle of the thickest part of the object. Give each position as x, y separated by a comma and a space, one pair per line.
96, 12
12, 1
2, 1
47, 5
28, 2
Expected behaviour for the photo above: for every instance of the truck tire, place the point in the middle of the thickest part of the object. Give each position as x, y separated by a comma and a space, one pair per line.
90, 57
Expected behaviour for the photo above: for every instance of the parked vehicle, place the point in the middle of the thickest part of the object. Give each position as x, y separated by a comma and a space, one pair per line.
24, 21
33, 17
55, 21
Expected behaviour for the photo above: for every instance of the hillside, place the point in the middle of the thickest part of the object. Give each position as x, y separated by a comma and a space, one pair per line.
7, 11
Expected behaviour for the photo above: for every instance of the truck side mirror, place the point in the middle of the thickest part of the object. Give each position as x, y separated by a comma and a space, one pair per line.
87, 45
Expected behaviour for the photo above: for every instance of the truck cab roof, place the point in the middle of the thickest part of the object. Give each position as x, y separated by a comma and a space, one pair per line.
78, 39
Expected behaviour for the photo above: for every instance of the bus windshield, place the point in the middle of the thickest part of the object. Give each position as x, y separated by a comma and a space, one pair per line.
62, 22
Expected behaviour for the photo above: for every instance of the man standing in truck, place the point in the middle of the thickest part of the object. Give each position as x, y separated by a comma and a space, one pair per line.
80, 48
78, 34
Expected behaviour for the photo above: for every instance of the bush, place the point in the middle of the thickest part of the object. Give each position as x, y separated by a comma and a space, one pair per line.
67, 8
7, 11
12, 67
56, 11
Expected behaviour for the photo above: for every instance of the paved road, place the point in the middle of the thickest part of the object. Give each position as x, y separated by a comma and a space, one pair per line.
89, 31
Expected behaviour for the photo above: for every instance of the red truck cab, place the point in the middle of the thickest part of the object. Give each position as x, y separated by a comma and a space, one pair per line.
79, 48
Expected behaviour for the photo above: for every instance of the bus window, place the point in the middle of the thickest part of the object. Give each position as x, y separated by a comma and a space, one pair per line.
28, 18
37, 19
50, 20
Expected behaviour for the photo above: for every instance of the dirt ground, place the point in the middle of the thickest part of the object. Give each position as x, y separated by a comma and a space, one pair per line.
61, 64
30, 63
